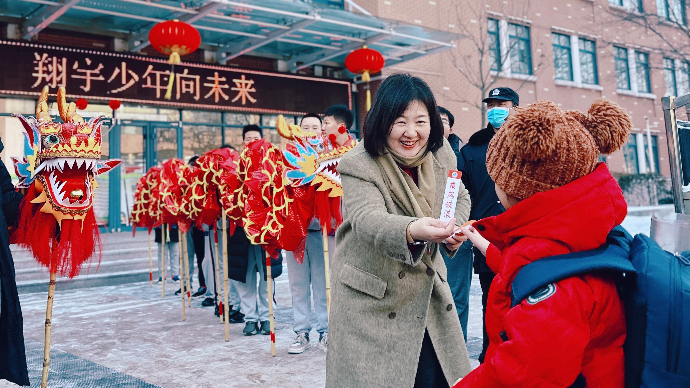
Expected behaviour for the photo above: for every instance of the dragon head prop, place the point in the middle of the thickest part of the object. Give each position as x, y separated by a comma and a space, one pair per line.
310, 160
61, 159
59, 168
311, 165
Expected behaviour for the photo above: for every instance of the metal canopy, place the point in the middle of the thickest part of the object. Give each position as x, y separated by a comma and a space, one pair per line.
303, 34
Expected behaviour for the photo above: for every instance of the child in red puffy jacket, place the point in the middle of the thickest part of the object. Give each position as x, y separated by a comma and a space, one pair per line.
558, 200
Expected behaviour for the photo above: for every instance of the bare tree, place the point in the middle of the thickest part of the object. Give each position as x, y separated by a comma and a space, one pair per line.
476, 57
665, 21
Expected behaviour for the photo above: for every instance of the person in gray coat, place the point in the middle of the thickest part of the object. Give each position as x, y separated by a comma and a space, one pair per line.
393, 321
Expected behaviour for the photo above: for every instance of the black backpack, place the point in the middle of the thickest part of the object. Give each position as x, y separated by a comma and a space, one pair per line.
655, 287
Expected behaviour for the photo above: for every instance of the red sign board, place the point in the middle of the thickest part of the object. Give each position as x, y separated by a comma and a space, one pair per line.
95, 75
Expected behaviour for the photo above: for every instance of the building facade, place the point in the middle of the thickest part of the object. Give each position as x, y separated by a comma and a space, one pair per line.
632, 52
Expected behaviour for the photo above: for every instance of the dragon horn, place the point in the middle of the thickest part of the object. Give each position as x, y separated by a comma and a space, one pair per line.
42, 107
68, 112
283, 128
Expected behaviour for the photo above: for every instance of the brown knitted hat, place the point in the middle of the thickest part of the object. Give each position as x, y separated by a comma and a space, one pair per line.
542, 148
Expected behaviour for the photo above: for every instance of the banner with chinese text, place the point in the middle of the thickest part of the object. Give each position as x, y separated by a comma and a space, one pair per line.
26, 67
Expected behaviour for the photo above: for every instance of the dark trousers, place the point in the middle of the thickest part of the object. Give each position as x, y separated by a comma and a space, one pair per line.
485, 279
199, 241
429, 372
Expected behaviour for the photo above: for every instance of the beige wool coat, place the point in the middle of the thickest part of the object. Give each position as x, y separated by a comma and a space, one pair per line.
383, 297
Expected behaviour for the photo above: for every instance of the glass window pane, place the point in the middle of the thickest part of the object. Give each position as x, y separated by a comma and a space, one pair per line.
494, 45
562, 57
242, 119
655, 154
670, 77
201, 116
642, 65
622, 69
630, 154
520, 51
588, 62
199, 139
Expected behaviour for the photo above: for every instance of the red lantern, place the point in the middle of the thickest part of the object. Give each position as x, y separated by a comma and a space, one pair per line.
82, 103
174, 38
114, 104
365, 61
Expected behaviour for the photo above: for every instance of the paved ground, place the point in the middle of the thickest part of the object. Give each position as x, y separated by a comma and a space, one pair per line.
128, 336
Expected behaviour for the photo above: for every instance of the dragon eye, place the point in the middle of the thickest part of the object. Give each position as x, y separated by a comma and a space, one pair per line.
51, 140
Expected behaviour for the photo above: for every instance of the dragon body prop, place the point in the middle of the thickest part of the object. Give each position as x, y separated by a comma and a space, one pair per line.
59, 169
314, 183
262, 197
213, 183
175, 180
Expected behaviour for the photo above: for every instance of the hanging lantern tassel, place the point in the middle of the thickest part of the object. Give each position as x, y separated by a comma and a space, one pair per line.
366, 78
173, 60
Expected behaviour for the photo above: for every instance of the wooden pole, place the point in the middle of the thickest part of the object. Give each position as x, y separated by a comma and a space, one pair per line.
226, 309
328, 272
49, 326
186, 271
150, 263
182, 292
163, 261
269, 281
217, 260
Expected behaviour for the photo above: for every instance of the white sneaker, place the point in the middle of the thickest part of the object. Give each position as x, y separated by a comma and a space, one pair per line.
323, 342
300, 345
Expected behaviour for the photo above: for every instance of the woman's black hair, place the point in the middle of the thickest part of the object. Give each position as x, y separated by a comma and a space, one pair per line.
392, 99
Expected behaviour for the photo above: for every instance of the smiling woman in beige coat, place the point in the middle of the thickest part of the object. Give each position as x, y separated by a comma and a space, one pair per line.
393, 321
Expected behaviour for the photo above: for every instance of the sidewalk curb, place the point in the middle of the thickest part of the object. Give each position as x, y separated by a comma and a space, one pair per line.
84, 281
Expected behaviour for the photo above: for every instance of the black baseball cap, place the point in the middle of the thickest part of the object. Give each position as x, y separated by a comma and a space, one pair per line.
505, 94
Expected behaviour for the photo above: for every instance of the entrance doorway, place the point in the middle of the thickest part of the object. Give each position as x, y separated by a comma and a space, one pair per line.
140, 145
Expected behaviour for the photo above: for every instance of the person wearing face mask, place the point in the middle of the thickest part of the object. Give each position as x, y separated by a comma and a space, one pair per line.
500, 104
309, 278
393, 322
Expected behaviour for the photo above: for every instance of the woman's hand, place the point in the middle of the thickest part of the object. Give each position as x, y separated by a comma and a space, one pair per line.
431, 229
478, 241
454, 241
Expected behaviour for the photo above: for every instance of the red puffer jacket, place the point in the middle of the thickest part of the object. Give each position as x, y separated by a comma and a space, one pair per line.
580, 328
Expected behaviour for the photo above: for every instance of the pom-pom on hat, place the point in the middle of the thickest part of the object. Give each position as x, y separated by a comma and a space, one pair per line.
542, 147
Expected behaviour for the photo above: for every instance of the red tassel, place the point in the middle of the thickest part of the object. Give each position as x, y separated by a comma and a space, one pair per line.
62, 250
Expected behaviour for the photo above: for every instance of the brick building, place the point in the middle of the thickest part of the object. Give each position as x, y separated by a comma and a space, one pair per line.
569, 51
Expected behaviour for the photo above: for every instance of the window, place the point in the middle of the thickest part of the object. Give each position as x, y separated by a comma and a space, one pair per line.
672, 10
654, 165
636, 5
630, 154
622, 69
588, 62
562, 61
683, 81
670, 77
616, 2
494, 45
520, 50
642, 69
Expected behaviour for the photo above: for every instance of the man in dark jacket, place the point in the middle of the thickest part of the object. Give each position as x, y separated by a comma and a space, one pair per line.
12, 354
472, 163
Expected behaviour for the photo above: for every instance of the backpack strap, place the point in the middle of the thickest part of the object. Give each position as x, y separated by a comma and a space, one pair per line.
611, 257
